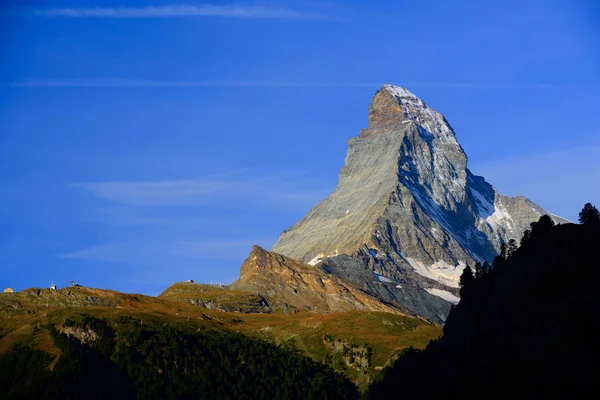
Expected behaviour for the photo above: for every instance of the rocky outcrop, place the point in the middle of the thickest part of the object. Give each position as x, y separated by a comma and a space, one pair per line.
408, 209
83, 335
349, 355
259, 306
305, 286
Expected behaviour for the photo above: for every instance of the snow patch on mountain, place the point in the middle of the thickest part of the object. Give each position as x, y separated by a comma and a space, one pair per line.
501, 217
440, 271
485, 208
492, 213
444, 295
316, 260
321, 256
382, 278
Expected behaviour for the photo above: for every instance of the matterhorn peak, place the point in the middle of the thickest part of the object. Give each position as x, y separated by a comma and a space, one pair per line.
408, 210
393, 105
401, 93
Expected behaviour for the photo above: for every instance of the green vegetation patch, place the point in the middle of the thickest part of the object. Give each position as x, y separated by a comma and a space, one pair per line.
129, 358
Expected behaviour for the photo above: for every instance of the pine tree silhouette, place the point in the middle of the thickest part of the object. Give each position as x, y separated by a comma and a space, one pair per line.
467, 277
589, 215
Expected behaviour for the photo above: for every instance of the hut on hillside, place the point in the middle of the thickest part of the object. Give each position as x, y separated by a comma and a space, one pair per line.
8, 290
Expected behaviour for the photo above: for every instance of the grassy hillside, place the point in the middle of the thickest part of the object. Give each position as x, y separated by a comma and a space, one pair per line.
356, 343
222, 298
129, 358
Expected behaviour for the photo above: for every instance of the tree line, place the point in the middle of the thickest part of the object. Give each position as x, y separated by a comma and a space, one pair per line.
524, 327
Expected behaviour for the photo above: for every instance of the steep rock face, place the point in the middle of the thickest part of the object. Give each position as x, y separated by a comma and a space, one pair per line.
421, 302
304, 286
406, 205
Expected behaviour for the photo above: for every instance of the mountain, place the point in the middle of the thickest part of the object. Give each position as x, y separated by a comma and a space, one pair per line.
305, 286
525, 329
408, 210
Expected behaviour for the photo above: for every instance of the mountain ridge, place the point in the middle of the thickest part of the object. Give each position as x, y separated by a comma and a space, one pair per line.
304, 286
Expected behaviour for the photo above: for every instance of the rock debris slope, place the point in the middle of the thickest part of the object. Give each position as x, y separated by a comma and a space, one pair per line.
407, 210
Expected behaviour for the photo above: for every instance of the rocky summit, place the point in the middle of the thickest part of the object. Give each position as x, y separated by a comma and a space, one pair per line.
407, 214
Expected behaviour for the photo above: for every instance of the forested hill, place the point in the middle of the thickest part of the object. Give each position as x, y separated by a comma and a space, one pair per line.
132, 358
524, 326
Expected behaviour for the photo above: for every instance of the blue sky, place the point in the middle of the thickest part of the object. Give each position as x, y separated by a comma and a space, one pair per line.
145, 143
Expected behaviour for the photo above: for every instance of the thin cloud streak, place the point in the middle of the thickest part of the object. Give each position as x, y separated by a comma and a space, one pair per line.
287, 190
127, 83
158, 251
178, 11
137, 83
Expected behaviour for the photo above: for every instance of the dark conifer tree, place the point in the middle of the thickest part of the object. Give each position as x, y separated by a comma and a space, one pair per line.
487, 268
512, 247
482, 270
542, 227
499, 260
589, 215
503, 250
467, 277
526, 236
477, 274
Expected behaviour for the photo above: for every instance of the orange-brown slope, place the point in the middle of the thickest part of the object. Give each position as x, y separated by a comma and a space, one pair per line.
304, 286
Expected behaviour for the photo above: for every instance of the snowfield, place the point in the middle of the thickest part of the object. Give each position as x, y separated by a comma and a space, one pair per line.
444, 295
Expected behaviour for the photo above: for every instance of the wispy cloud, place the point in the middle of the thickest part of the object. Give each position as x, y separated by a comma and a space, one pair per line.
141, 83
158, 262
168, 229
132, 83
152, 252
215, 248
493, 85
285, 190
124, 216
179, 11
